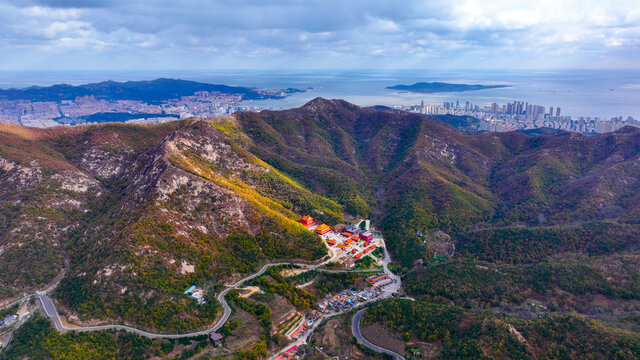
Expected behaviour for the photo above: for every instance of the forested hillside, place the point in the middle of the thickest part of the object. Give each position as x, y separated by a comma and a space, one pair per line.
127, 217
449, 332
140, 213
416, 174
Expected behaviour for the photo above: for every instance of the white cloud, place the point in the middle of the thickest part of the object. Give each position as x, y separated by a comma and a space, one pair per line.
50, 13
315, 33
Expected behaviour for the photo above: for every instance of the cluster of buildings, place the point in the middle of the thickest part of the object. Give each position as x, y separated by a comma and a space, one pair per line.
305, 326
342, 301
347, 299
202, 104
350, 241
521, 115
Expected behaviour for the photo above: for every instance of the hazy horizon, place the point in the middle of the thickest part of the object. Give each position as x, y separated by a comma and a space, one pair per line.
602, 93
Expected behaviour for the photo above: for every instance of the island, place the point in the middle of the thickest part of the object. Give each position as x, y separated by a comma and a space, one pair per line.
439, 87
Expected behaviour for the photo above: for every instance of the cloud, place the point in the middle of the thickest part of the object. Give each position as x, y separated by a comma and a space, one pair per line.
316, 34
63, 3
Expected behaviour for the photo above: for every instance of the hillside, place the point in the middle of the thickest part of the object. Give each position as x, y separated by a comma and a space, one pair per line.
449, 332
141, 213
127, 217
417, 174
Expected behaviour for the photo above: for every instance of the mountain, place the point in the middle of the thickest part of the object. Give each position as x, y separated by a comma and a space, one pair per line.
140, 213
127, 217
147, 91
416, 174
439, 87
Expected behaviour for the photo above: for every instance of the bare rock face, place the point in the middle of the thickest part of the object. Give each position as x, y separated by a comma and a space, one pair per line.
440, 150
22, 175
188, 170
77, 182
210, 144
103, 164
212, 209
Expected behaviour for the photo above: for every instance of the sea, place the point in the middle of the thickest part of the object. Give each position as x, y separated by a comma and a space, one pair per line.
586, 93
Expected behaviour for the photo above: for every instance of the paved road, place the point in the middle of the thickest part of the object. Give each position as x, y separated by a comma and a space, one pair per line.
48, 308
57, 280
355, 329
389, 290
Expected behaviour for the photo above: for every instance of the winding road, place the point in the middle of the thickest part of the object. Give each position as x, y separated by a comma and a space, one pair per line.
389, 290
48, 308
355, 329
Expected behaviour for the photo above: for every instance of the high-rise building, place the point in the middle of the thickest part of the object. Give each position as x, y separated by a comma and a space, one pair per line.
550, 111
558, 112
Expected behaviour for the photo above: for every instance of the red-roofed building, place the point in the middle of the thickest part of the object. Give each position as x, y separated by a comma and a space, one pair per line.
375, 279
366, 236
322, 229
307, 221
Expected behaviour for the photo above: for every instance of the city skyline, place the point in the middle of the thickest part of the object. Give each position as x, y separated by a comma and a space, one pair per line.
521, 115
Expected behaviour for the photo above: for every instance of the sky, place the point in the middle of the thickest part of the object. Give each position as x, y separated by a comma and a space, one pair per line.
319, 34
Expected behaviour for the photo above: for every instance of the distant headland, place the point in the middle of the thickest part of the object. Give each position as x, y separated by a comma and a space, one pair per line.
148, 91
439, 87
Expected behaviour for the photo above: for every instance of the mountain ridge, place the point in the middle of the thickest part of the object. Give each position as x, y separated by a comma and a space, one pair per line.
143, 211
147, 90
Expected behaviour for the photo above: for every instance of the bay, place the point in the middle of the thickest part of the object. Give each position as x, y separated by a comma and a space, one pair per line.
593, 93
